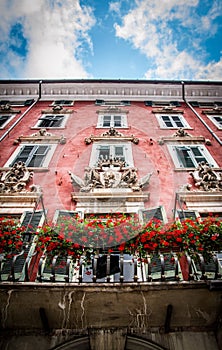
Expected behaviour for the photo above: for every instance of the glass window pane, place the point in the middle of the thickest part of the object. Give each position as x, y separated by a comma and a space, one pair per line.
177, 121
104, 152
106, 120
23, 155
117, 120
119, 152
3, 119
38, 157
184, 156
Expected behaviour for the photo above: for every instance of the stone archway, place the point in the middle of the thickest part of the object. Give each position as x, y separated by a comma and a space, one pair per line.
76, 344
131, 343
134, 343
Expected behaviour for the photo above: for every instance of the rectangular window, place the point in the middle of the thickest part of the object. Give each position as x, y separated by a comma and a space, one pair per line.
217, 120
112, 151
172, 121
4, 119
190, 156
19, 103
121, 151
62, 103
186, 214
51, 121
33, 155
112, 121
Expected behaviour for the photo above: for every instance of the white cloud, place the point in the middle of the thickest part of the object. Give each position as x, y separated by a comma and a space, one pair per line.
56, 34
115, 7
170, 35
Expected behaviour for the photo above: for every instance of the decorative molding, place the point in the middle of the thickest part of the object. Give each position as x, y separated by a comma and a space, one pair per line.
201, 201
215, 111
41, 136
110, 173
15, 179
112, 109
182, 136
111, 134
168, 109
206, 179
57, 110
6, 108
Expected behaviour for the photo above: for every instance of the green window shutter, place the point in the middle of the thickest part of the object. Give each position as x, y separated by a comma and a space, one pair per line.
184, 157
48, 121
37, 157
34, 220
175, 103
148, 103
32, 155
23, 154
186, 214
64, 213
153, 213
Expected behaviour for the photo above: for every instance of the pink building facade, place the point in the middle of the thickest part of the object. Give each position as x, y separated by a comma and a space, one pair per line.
151, 148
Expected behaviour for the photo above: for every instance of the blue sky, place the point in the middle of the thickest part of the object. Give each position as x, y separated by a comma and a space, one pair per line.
126, 39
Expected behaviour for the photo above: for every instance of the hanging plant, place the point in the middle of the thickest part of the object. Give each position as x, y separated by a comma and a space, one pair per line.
11, 237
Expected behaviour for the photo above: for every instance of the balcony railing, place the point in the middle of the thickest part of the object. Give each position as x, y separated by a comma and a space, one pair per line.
105, 267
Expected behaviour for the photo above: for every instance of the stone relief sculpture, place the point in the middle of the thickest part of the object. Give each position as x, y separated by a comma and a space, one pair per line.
181, 133
6, 107
206, 178
15, 179
110, 173
42, 132
111, 133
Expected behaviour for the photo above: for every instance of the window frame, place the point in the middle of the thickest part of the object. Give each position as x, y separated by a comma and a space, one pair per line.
173, 150
127, 151
45, 115
62, 103
102, 116
215, 122
10, 116
45, 161
163, 125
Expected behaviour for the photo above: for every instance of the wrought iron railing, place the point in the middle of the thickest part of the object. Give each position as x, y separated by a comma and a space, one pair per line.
106, 267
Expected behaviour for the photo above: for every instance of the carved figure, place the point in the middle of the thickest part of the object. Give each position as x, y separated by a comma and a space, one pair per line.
42, 132
181, 133
206, 178
112, 132
16, 179
6, 107
109, 173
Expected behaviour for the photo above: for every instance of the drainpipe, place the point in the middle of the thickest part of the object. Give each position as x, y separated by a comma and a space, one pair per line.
22, 116
198, 116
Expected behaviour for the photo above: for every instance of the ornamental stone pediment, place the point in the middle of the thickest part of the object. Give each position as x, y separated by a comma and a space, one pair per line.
15, 179
57, 110
183, 136
111, 134
41, 136
6, 108
110, 173
111, 110
168, 109
15, 196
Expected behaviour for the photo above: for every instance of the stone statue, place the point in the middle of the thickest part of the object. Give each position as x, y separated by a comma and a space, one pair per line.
206, 178
16, 179
110, 173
